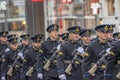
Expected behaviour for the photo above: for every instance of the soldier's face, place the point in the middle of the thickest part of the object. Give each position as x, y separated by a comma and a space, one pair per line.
14, 46
36, 44
110, 35
3, 39
102, 36
86, 40
74, 36
25, 42
54, 34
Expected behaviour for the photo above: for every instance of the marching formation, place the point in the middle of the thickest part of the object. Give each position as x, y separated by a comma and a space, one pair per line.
74, 55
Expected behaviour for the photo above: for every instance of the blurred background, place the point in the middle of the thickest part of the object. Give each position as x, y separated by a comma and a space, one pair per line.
33, 16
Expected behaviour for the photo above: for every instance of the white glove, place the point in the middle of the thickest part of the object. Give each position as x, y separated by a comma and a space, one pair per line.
40, 75
62, 77
81, 50
3, 78
58, 47
108, 50
21, 55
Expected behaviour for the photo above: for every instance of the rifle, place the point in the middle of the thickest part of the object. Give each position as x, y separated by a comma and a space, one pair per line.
69, 67
2, 52
16, 57
31, 69
9, 72
101, 61
48, 63
1, 55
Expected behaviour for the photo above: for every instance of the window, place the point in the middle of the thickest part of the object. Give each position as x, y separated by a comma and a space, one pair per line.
64, 10
111, 9
16, 8
78, 9
14, 26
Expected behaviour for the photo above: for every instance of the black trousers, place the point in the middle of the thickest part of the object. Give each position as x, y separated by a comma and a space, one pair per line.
14, 77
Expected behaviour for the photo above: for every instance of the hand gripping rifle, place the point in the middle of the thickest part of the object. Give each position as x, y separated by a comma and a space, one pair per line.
101, 61
55, 50
31, 69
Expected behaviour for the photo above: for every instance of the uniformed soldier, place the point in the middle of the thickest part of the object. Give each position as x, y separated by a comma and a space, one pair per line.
86, 37
116, 44
93, 54
110, 67
12, 57
117, 63
48, 46
116, 50
67, 57
3, 44
34, 57
25, 45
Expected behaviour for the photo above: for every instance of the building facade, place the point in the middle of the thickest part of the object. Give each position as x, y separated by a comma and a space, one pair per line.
13, 18
110, 12
68, 13
22, 16
35, 17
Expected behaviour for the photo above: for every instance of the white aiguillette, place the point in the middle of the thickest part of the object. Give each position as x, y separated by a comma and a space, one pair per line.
81, 50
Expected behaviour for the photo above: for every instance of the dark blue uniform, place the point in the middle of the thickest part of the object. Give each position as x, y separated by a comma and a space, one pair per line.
47, 46
67, 48
32, 57
10, 57
93, 54
116, 50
